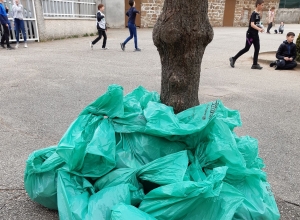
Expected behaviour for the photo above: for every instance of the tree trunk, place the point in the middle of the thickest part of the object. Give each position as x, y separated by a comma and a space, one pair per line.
181, 35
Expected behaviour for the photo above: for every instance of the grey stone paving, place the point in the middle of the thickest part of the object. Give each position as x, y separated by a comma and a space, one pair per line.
44, 88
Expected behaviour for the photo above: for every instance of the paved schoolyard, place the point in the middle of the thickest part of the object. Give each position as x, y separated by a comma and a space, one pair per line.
44, 88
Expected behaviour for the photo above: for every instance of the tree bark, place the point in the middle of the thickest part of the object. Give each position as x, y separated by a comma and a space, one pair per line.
181, 35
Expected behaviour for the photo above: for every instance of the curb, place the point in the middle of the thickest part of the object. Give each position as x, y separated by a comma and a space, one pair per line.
268, 61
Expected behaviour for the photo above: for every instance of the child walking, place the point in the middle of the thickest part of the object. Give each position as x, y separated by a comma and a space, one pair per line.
5, 24
131, 13
271, 19
101, 27
17, 10
252, 37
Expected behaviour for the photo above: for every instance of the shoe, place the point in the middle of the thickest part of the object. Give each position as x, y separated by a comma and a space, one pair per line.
2, 45
105, 48
272, 64
276, 67
91, 45
137, 50
232, 61
17, 46
122, 46
10, 48
25, 45
256, 67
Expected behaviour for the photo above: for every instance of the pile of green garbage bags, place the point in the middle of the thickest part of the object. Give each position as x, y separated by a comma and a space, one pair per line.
130, 157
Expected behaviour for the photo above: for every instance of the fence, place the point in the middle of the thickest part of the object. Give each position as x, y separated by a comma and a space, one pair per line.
289, 4
29, 21
69, 8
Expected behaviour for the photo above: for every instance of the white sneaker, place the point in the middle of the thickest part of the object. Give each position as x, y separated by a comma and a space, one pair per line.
105, 48
17, 46
91, 45
25, 45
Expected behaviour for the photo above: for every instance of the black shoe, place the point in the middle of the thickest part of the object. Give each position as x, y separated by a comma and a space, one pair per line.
256, 67
122, 46
10, 48
2, 45
232, 61
137, 50
276, 67
272, 64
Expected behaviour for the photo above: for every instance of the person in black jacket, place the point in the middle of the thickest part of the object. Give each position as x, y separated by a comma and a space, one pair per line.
286, 54
101, 27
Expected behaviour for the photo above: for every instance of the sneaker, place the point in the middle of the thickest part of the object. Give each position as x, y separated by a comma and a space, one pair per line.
91, 45
25, 45
17, 46
276, 67
105, 48
122, 46
232, 61
10, 48
272, 64
256, 67
2, 45
137, 50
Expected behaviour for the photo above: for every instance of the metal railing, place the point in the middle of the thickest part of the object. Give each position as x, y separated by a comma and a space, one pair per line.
29, 21
69, 8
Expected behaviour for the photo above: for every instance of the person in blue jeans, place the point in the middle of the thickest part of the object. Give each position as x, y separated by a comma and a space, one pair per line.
5, 25
131, 13
17, 10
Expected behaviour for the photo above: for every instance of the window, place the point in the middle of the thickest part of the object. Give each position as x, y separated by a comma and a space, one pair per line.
289, 4
69, 8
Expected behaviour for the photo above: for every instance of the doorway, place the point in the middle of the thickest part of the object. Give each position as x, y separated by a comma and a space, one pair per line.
229, 13
138, 7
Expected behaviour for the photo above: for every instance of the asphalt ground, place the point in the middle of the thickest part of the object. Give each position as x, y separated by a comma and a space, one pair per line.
45, 86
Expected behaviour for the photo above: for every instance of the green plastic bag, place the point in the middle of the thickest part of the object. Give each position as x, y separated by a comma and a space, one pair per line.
162, 171
40, 176
84, 152
209, 199
123, 211
73, 193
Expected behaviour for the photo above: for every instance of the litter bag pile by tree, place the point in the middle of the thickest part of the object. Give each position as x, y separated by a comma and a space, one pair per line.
132, 158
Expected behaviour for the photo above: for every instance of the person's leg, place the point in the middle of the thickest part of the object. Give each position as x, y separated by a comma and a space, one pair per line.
248, 44
280, 64
22, 27
98, 38
256, 50
17, 27
2, 38
269, 27
6, 35
104, 39
130, 27
135, 37
290, 65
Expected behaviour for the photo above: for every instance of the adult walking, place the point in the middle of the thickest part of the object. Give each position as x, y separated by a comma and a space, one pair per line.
17, 10
271, 19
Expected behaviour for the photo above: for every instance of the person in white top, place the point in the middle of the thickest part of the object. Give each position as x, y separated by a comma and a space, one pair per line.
271, 19
101, 26
17, 10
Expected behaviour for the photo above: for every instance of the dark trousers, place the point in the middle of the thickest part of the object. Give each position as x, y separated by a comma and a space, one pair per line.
270, 25
280, 31
19, 24
101, 33
132, 31
5, 36
249, 41
285, 65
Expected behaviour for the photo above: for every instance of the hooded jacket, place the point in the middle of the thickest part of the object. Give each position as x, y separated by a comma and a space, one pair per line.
3, 15
286, 50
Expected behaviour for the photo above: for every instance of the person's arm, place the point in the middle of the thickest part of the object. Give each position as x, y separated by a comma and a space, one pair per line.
136, 11
294, 53
270, 14
279, 52
127, 13
99, 16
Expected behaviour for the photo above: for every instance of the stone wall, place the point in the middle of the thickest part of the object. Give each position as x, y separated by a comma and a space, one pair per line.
216, 12
288, 16
150, 12
244, 9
